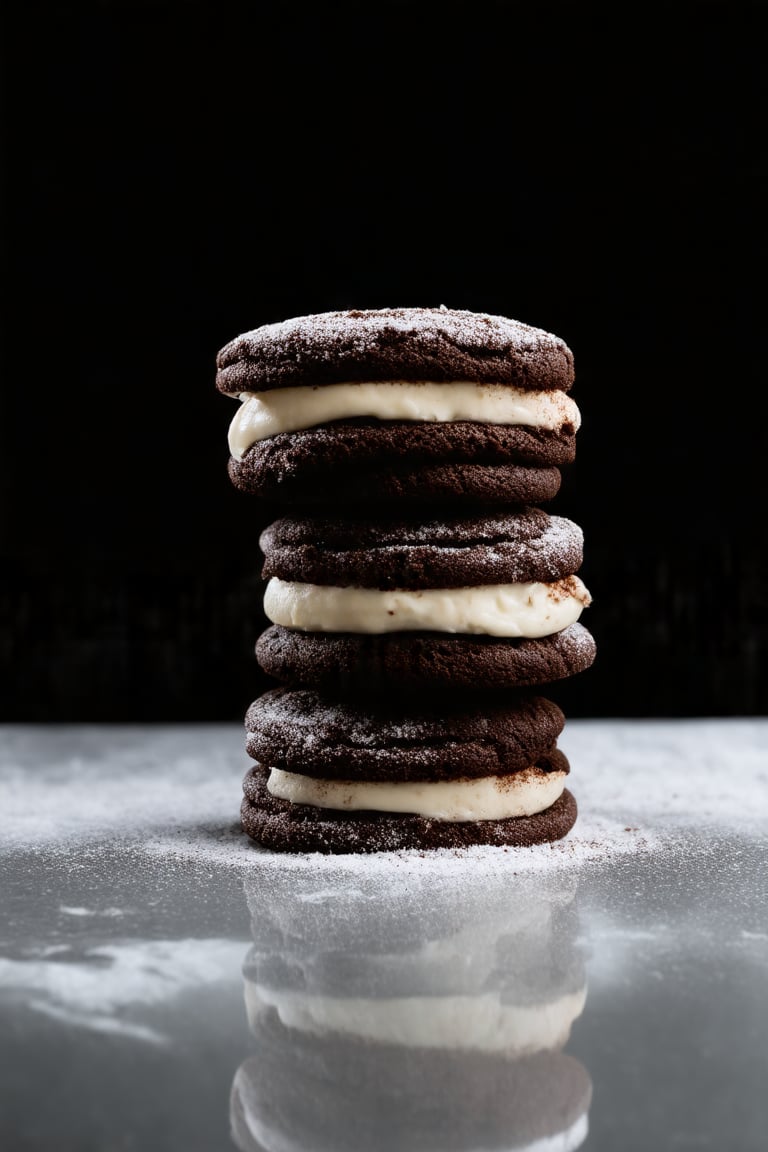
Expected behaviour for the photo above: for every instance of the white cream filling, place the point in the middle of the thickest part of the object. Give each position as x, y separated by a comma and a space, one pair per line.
265, 414
529, 609
487, 798
483, 1022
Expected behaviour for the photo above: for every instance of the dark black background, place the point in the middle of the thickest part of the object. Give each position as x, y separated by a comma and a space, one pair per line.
176, 173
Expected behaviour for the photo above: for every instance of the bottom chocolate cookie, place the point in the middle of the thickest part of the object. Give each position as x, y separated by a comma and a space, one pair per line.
346, 661
284, 827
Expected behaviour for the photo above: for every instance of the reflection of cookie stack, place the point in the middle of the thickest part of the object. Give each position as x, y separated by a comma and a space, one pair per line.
418, 593
436, 1019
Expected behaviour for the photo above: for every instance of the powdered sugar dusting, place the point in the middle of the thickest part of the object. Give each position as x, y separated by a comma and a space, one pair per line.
528, 545
363, 328
437, 344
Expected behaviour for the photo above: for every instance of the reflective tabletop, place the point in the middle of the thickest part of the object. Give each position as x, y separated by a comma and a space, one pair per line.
165, 984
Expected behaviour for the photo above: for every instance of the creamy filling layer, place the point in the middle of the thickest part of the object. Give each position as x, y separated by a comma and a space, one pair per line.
487, 798
482, 1022
265, 414
529, 609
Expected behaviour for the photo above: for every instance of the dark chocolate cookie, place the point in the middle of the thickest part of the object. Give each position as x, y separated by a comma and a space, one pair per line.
412, 344
286, 827
350, 462
300, 730
453, 552
347, 662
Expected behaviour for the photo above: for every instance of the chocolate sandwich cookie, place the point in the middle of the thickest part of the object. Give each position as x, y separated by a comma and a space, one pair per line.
475, 602
333, 776
286, 827
429, 404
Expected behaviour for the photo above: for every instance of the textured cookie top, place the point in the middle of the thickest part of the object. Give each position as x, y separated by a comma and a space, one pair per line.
453, 552
301, 730
346, 663
412, 344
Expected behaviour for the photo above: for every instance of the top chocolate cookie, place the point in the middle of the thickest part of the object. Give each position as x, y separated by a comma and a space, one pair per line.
408, 344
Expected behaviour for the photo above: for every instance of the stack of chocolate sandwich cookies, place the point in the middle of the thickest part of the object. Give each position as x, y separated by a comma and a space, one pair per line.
418, 593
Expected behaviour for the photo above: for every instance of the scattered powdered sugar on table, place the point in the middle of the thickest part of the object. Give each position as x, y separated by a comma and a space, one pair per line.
694, 773
83, 784
174, 791
596, 840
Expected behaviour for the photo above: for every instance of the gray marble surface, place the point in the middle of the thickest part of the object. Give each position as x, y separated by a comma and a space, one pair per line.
164, 984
